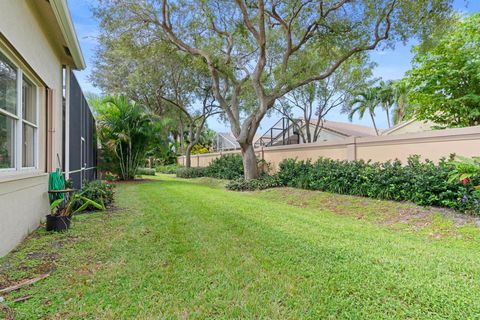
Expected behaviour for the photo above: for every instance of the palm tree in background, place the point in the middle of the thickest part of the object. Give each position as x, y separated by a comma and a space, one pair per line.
386, 97
366, 100
402, 108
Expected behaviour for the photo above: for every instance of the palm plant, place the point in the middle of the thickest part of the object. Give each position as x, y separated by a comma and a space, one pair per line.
365, 101
125, 131
400, 90
386, 96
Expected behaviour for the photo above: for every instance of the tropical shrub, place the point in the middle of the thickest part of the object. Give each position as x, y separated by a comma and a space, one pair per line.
188, 173
146, 171
96, 191
422, 182
229, 166
169, 168
263, 182
126, 132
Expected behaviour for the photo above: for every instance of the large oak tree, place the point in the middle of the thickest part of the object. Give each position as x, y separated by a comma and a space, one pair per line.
257, 51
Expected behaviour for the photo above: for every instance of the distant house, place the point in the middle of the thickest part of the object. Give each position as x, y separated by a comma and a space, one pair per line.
409, 126
225, 141
284, 132
45, 121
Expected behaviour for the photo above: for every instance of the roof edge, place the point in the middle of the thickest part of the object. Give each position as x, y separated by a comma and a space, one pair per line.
399, 126
64, 19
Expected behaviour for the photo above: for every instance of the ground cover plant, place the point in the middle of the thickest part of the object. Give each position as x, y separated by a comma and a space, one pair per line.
98, 191
421, 182
180, 248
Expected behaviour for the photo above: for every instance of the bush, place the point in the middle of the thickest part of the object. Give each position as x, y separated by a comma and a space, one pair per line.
98, 191
264, 182
188, 173
228, 167
145, 172
423, 183
169, 169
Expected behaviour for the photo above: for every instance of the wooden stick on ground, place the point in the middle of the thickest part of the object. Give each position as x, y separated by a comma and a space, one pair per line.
23, 284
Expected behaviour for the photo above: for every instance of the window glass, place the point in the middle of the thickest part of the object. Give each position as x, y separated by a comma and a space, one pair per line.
8, 86
28, 156
7, 142
29, 101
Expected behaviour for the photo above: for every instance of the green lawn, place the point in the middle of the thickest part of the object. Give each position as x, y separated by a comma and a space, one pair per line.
189, 249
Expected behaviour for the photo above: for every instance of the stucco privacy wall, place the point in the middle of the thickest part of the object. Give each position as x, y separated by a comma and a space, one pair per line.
23, 195
431, 145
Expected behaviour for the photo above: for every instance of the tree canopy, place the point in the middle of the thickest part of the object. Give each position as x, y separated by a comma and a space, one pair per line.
445, 80
258, 51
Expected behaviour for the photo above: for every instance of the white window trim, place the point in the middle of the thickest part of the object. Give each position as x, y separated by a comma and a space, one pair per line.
18, 127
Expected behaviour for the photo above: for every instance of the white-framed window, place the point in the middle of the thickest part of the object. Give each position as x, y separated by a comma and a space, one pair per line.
19, 98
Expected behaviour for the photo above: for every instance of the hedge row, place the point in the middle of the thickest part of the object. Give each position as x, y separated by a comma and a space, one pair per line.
421, 182
227, 167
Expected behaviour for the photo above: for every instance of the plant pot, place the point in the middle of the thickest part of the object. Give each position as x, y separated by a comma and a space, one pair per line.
58, 223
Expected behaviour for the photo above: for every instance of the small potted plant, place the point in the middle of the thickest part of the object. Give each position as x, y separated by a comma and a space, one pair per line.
62, 211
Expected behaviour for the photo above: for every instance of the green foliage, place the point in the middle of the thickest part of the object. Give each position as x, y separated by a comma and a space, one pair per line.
229, 166
465, 169
188, 173
146, 171
168, 169
97, 191
199, 149
75, 204
423, 183
446, 79
126, 133
263, 182
365, 101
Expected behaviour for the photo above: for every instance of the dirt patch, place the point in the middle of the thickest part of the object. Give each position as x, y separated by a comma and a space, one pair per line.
380, 211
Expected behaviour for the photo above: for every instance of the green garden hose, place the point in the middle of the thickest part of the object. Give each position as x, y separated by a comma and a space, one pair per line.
56, 182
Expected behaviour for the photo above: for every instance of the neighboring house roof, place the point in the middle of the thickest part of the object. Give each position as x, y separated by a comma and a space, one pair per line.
64, 20
347, 129
398, 126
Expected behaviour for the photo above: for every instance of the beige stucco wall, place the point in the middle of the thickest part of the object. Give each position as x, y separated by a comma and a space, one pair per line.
23, 194
431, 145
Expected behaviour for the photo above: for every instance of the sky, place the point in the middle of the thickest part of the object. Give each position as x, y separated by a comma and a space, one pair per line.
391, 64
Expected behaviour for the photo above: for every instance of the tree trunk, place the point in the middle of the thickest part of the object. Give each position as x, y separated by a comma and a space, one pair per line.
250, 166
388, 117
374, 124
188, 156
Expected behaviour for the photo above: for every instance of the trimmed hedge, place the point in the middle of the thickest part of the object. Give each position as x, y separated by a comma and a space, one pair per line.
188, 173
168, 169
145, 172
229, 167
421, 182
264, 182
226, 167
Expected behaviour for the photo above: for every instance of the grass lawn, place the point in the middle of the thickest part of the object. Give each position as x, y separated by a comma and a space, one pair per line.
189, 249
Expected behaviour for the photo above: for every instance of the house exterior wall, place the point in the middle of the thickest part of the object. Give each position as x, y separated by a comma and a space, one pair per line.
325, 135
432, 145
412, 127
23, 194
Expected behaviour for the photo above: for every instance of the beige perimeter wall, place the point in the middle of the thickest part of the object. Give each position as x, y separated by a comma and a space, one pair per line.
431, 145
